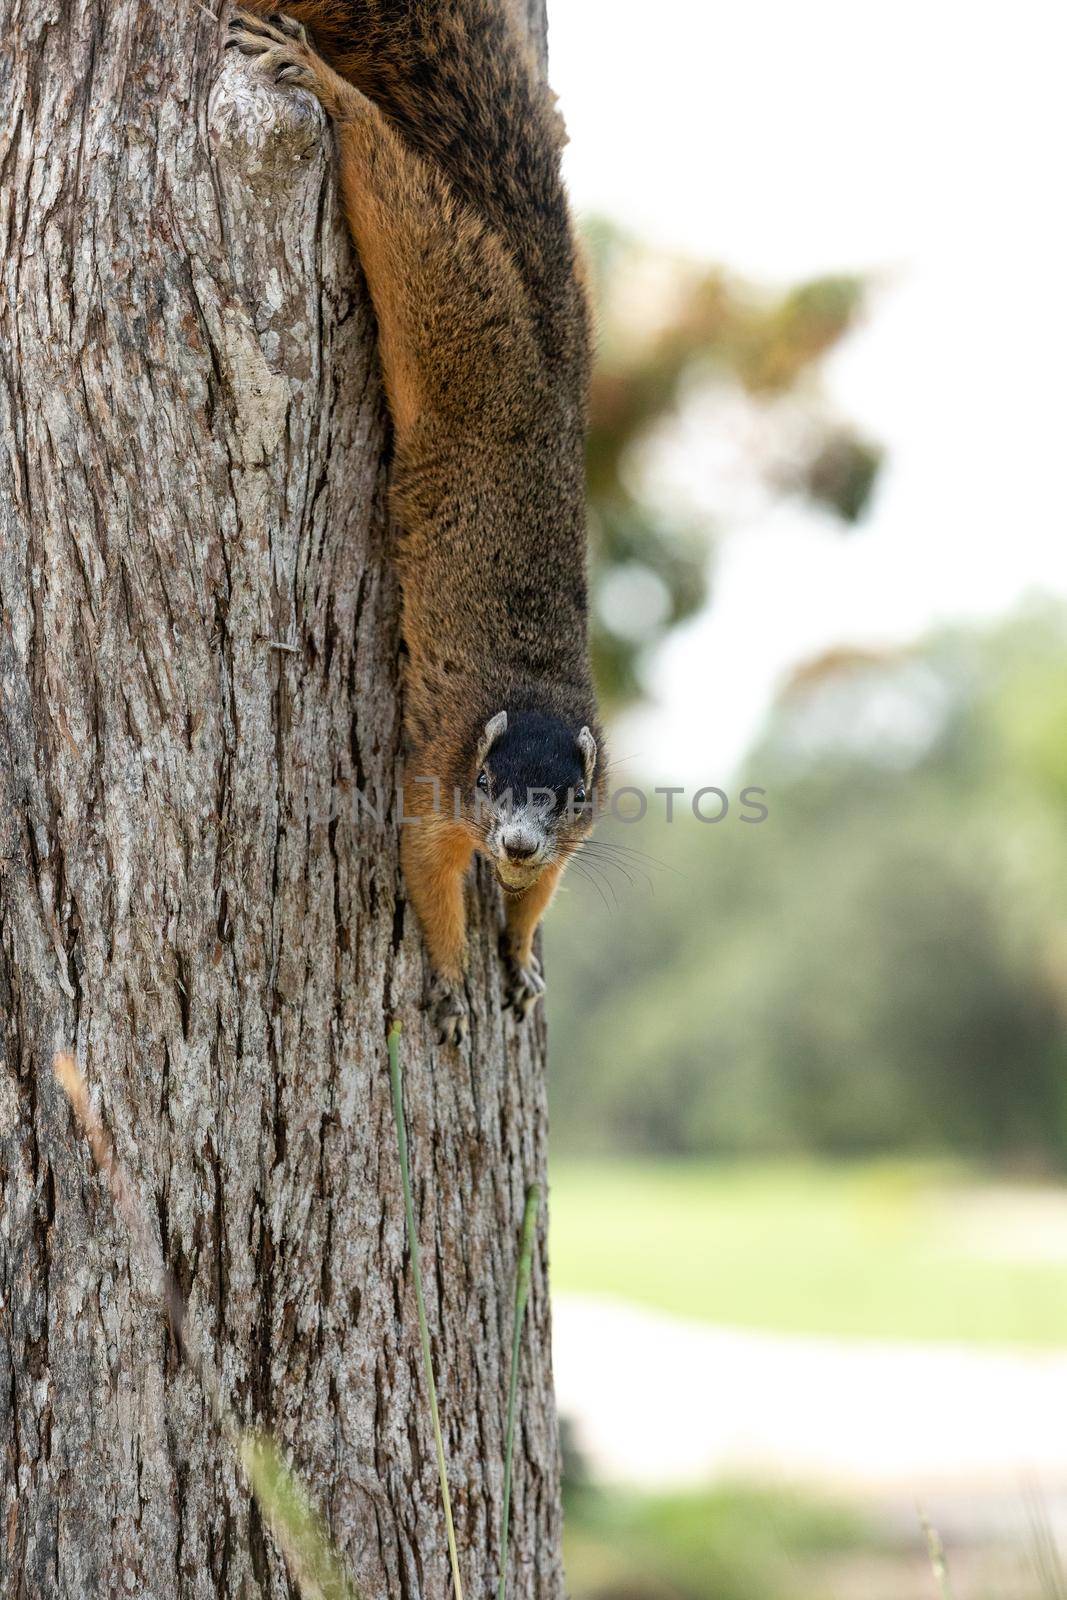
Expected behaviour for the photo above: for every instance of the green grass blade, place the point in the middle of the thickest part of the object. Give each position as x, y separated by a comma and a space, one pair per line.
315, 1565
1043, 1549
522, 1292
420, 1303
936, 1551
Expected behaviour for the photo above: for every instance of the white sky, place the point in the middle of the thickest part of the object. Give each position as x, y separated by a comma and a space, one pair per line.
926, 142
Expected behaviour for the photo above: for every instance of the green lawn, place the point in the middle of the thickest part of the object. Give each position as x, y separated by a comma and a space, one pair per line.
878, 1251
724, 1543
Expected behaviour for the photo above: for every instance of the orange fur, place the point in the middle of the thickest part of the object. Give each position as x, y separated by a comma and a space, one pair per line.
524, 913
449, 170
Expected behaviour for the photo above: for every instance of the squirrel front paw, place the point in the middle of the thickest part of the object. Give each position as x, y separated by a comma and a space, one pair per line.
523, 984
447, 1012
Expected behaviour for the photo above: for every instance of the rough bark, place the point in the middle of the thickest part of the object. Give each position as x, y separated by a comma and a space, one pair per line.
191, 478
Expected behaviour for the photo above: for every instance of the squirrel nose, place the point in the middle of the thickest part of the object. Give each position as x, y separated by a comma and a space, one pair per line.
519, 849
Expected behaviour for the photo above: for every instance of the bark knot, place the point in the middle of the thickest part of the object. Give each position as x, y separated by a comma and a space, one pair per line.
263, 131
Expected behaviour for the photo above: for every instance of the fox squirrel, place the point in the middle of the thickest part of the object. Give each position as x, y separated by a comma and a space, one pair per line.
449, 168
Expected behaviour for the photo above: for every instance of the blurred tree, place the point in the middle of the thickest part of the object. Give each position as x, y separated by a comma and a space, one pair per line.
671, 334
881, 964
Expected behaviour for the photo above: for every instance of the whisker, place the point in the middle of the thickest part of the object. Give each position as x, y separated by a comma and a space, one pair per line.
607, 864
626, 868
601, 877
582, 873
635, 858
632, 850
608, 859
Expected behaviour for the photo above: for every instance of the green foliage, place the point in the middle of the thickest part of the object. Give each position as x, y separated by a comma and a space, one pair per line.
727, 1543
671, 334
880, 965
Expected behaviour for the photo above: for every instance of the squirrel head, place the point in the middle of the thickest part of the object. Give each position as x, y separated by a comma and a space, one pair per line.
533, 792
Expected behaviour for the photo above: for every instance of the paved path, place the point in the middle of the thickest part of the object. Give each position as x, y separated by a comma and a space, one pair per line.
656, 1400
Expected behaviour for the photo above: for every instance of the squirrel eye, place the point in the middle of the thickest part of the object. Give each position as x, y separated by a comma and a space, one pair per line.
579, 794
483, 781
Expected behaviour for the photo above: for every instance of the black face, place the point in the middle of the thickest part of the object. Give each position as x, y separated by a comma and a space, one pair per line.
536, 756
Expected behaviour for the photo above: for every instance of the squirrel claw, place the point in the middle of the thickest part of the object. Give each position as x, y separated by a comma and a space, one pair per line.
290, 26
524, 986
296, 74
281, 44
277, 27
447, 1013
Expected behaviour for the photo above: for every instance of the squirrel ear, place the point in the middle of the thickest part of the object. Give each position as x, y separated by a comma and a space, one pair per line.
587, 745
494, 728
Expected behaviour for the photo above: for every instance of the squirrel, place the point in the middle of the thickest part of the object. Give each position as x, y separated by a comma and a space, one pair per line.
449, 147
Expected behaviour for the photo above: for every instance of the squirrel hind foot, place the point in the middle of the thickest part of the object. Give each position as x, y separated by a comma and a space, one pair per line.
283, 52
252, 32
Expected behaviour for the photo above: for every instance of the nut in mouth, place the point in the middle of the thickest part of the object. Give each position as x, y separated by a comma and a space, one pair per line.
514, 879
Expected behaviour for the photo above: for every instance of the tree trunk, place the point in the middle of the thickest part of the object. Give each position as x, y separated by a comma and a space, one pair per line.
198, 679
